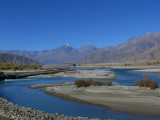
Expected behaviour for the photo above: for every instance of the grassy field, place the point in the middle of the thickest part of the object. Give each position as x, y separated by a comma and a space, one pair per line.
8, 66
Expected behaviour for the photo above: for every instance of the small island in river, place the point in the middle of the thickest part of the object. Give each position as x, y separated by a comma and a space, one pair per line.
84, 74
128, 99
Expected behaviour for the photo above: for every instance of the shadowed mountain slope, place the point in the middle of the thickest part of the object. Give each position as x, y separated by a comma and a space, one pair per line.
2, 60
150, 55
15, 59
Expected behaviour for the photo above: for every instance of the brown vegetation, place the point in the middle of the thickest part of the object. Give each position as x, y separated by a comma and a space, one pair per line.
8, 66
146, 83
109, 83
87, 83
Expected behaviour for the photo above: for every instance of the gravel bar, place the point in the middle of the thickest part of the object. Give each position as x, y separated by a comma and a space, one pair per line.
10, 111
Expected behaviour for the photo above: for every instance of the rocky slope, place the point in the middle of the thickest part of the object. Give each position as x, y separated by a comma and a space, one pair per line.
150, 55
15, 59
125, 51
2, 60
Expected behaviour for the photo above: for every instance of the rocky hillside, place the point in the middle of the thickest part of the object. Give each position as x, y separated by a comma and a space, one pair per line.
150, 55
15, 59
125, 51
2, 60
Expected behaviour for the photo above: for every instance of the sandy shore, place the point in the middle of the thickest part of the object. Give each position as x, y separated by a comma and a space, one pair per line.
128, 99
28, 73
84, 74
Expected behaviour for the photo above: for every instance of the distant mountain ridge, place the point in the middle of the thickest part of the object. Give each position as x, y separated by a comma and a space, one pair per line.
15, 59
63, 54
140, 48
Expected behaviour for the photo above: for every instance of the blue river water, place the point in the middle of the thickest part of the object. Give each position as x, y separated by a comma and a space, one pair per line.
17, 91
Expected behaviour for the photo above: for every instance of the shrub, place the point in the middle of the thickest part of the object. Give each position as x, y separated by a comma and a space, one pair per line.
109, 83
147, 83
145, 76
79, 83
95, 83
153, 85
87, 83
74, 65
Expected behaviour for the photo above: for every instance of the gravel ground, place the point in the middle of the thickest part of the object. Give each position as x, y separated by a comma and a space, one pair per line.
10, 111
73, 88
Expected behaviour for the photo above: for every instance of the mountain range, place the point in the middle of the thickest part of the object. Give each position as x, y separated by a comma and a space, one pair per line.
63, 54
141, 48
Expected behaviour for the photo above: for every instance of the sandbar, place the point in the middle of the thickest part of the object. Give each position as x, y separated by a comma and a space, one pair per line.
127, 99
84, 74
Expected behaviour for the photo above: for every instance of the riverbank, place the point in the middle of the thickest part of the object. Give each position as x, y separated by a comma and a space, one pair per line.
10, 111
128, 99
23, 74
83, 74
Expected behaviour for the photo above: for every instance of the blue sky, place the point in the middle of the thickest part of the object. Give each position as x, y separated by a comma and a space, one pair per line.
47, 24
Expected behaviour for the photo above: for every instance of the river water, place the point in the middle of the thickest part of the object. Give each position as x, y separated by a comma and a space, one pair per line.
17, 91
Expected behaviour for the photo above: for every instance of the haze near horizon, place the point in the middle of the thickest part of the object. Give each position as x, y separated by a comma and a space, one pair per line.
45, 25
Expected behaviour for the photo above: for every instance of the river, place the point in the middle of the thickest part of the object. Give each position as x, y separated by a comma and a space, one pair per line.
17, 91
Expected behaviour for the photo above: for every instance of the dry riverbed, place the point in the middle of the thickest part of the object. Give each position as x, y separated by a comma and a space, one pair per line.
84, 74
128, 99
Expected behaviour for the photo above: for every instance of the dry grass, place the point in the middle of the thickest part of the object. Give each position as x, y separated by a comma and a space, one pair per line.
89, 82
146, 83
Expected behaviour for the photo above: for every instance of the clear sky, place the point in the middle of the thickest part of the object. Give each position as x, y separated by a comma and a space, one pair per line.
47, 24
